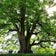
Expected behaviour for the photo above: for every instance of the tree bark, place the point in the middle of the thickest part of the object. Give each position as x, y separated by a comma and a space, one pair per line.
24, 45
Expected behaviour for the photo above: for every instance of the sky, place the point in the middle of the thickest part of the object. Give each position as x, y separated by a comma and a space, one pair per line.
51, 9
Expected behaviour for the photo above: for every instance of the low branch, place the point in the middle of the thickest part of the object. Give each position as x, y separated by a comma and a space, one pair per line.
48, 41
41, 25
30, 32
36, 33
42, 41
16, 26
12, 29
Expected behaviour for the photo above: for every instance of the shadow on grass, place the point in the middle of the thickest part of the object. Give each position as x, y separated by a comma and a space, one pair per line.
27, 55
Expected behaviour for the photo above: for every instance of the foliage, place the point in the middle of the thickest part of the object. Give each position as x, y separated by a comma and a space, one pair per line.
43, 50
28, 16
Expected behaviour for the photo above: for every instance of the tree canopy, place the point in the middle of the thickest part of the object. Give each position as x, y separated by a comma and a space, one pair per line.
28, 17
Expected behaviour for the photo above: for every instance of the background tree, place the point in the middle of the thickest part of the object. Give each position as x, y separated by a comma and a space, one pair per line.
28, 17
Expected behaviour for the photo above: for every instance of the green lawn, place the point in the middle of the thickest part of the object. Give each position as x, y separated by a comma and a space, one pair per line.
27, 55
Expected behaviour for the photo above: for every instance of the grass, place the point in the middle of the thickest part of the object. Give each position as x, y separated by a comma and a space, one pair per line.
27, 55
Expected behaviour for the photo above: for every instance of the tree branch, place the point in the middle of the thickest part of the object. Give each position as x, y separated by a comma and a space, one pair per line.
16, 26
12, 29
30, 31
36, 33
42, 41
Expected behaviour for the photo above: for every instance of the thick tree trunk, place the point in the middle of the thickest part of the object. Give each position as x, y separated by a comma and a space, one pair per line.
25, 50
24, 45
28, 49
22, 42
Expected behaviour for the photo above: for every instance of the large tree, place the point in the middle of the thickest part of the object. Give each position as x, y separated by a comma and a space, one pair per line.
27, 17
